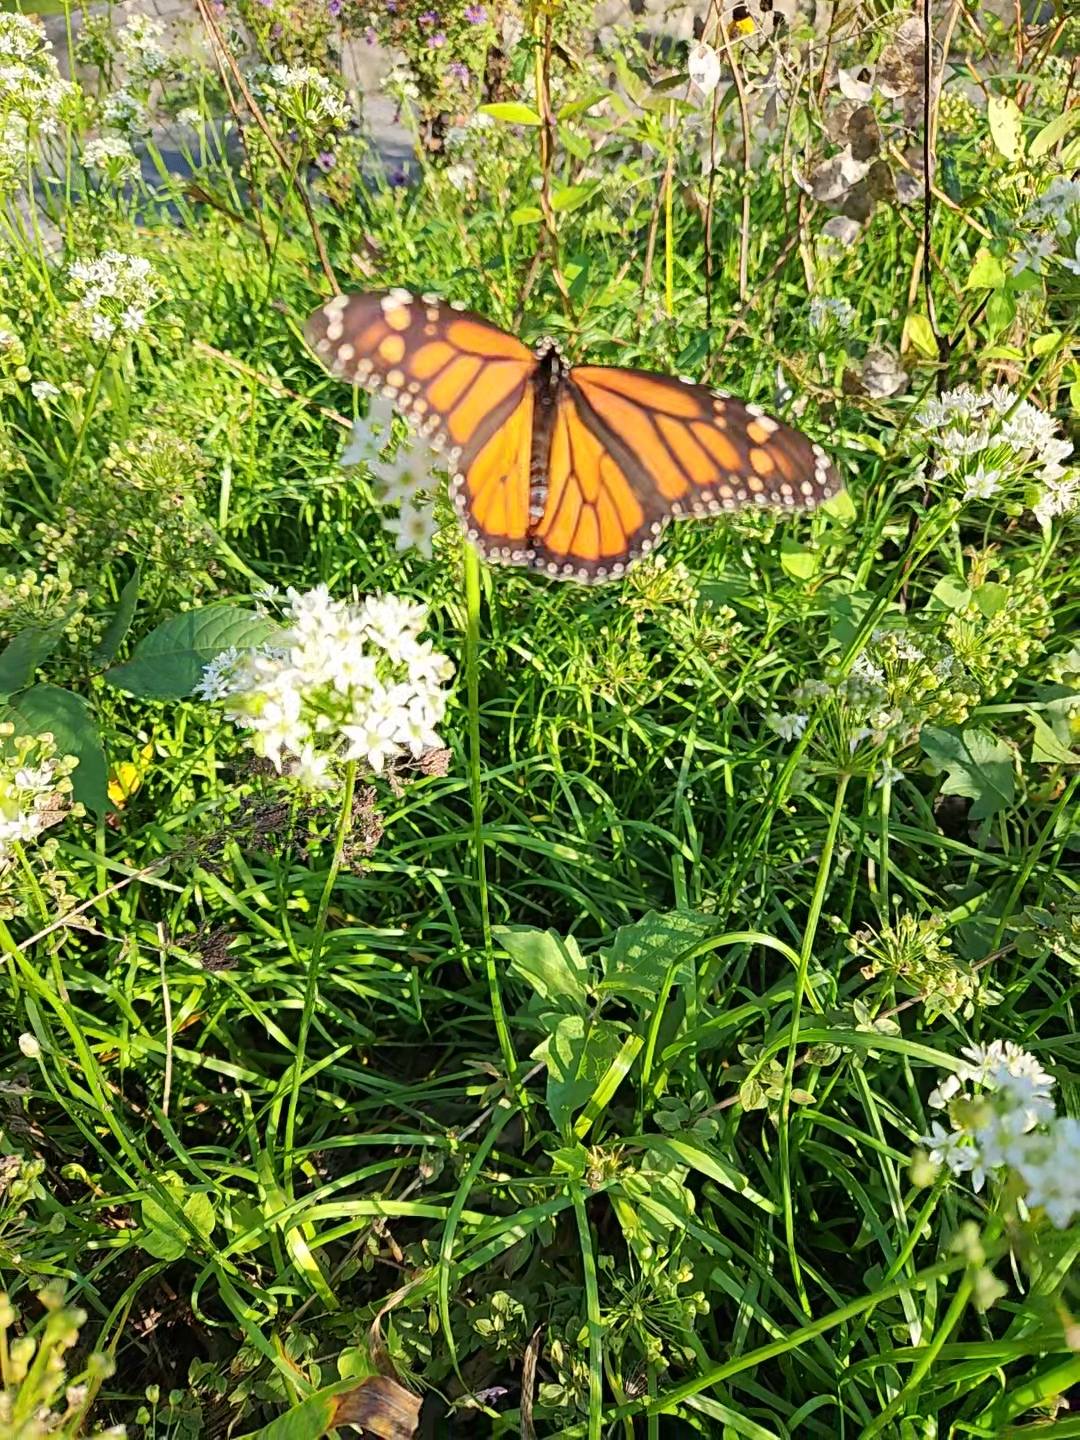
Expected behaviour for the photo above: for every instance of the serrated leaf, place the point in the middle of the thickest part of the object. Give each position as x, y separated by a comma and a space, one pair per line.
986, 273
637, 962
1046, 748
552, 965
798, 560
69, 720
1005, 120
120, 623
976, 764
23, 655
511, 112
1053, 131
169, 662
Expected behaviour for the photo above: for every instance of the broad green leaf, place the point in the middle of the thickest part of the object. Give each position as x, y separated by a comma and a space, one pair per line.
165, 1237
1046, 748
1000, 311
1005, 119
1053, 131
637, 961
1047, 343
986, 273
169, 662
526, 215
377, 1405
578, 107
950, 594
991, 597
577, 1055
841, 507
120, 623
569, 197
510, 112
920, 333
977, 766
23, 655
553, 966
69, 720
798, 560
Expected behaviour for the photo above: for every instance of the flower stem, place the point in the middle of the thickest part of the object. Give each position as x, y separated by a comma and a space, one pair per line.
311, 987
476, 794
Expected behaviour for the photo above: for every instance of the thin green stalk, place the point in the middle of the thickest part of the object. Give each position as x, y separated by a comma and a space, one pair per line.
1032, 857
806, 950
311, 987
88, 412
476, 795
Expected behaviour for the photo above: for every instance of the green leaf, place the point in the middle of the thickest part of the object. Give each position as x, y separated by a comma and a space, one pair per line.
977, 766
921, 334
1047, 343
526, 215
120, 623
841, 507
986, 273
991, 597
570, 197
637, 961
1000, 311
68, 718
165, 1237
798, 560
169, 662
577, 1055
1046, 748
1005, 120
510, 112
554, 967
376, 1405
578, 107
23, 655
950, 594
1053, 131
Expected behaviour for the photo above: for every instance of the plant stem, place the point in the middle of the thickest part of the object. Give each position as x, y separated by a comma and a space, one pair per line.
806, 950
311, 988
476, 795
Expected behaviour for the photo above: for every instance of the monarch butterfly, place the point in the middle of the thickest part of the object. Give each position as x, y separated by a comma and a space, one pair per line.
573, 471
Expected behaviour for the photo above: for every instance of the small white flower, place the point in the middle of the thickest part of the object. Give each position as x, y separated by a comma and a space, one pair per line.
460, 176
1033, 253
43, 389
29, 1045
788, 727
982, 483
414, 526
1072, 264
372, 741
890, 774
704, 67
312, 769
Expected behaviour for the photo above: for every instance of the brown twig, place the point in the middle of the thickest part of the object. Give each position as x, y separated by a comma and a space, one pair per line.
744, 122
260, 120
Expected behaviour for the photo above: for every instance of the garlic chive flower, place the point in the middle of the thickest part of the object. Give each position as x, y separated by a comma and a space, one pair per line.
342, 681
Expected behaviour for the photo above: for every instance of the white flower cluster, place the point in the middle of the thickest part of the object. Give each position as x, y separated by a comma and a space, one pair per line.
113, 294
988, 440
406, 480
34, 790
30, 81
302, 97
1007, 1122
341, 682
125, 113
138, 42
826, 311
1051, 218
112, 156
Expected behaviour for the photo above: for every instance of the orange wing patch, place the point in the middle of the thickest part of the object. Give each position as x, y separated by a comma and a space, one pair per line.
453, 375
699, 450
492, 493
594, 520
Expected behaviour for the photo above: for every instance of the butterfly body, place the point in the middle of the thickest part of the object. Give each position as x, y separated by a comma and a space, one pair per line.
571, 470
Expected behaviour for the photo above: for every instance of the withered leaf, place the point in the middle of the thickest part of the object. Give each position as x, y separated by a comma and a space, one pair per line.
381, 1407
863, 133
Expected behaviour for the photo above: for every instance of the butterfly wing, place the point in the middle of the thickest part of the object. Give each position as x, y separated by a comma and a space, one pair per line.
631, 449
463, 383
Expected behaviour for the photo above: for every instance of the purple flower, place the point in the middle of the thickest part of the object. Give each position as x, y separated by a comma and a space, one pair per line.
397, 176
266, 4
391, 6
335, 8
459, 71
437, 41
429, 17
370, 36
475, 14
325, 161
